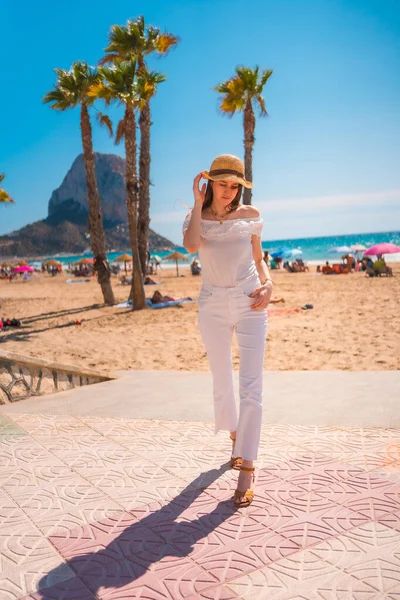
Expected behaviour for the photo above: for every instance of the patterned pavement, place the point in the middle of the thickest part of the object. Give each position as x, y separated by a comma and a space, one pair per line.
119, 508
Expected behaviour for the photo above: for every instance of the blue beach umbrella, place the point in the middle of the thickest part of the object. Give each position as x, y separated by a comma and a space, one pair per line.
280, 252
293, 253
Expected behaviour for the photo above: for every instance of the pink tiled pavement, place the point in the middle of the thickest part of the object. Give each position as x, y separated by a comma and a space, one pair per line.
114, 508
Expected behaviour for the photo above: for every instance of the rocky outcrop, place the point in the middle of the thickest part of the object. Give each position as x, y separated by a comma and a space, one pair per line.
72, 193
65, 230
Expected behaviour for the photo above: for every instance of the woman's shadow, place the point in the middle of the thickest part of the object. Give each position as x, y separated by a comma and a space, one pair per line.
105, 563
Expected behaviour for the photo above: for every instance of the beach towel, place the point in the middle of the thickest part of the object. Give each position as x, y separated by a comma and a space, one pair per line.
169, 303
77, 281
128, 303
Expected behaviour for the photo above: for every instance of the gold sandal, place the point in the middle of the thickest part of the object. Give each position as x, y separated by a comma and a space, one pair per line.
235, 461
248, 494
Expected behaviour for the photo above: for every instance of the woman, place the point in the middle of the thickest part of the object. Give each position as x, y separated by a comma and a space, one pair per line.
236, 289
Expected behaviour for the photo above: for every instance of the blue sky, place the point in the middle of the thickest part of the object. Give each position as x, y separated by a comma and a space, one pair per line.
326, 159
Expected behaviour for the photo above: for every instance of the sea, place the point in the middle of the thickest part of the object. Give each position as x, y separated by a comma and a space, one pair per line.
315, 250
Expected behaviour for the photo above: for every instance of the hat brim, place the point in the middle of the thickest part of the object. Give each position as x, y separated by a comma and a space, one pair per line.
227, 177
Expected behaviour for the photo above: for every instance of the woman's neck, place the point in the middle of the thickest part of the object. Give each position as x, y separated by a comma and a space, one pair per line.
219, 208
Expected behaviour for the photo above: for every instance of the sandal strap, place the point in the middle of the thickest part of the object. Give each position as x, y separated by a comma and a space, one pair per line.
239, 494
248, 495
247, 468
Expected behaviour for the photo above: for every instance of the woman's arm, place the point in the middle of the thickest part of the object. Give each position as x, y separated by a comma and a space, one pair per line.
263, 293
191, 238
261, 265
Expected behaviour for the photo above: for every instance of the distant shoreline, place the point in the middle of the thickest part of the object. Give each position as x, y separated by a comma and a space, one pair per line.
315, 250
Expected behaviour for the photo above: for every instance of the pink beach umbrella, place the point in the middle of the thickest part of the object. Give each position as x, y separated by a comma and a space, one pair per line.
23, 269
384, 248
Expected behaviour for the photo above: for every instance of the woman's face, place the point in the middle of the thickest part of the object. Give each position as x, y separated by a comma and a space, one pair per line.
224, 191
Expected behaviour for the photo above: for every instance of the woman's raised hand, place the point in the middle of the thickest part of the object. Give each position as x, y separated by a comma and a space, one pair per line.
199, 194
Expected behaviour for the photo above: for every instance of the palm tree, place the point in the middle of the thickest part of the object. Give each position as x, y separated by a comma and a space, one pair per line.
136, 41
147, 88
119, 84
5, 196
72, 89
240, 93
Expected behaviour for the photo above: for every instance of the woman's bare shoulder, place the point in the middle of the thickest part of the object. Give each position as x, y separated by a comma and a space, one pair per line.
246, 210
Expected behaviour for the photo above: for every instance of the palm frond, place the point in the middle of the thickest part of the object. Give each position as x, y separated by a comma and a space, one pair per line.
247, 85
232, 87
105, 121
5, 197
230, 104
121, 41
147, 83
112, 57
150, 36
248, 78
261, 104
264, 77
120, 131
60, 99
227, 107
119, 83
72, 87
135, 40
164, 42
223, 88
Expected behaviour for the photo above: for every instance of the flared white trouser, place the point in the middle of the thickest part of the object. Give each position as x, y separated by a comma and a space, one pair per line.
222, 311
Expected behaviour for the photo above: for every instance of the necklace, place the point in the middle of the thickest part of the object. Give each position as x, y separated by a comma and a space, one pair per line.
217, 217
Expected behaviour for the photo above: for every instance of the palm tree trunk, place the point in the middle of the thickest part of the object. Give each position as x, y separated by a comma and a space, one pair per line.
96, 231
144, 185
132, 197
249, 125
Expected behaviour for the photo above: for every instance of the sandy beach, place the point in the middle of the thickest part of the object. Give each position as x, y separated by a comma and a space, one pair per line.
354, 325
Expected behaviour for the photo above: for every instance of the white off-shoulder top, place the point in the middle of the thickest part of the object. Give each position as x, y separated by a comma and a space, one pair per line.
226, 253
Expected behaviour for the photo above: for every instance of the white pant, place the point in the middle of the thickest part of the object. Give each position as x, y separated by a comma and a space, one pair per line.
221, 311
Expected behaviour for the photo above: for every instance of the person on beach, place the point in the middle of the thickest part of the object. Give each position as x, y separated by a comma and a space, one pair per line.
235, 292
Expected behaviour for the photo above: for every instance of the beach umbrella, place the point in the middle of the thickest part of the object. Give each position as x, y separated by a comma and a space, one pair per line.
383, 248
7, 264
22, 263
176, 256
52, 263
23, 269
358, 247
292, 253
124, 258
280, 252
339, 250
84, 261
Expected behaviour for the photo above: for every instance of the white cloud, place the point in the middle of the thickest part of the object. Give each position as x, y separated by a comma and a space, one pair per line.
169, 217
369, 201
329, 202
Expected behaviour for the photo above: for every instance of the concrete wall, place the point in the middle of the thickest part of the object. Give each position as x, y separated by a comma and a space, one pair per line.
25, 376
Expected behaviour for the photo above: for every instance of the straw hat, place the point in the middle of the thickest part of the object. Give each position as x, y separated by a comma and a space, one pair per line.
228, 168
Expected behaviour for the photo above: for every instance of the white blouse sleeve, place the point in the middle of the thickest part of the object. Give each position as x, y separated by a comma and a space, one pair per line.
186, 222
257, 227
